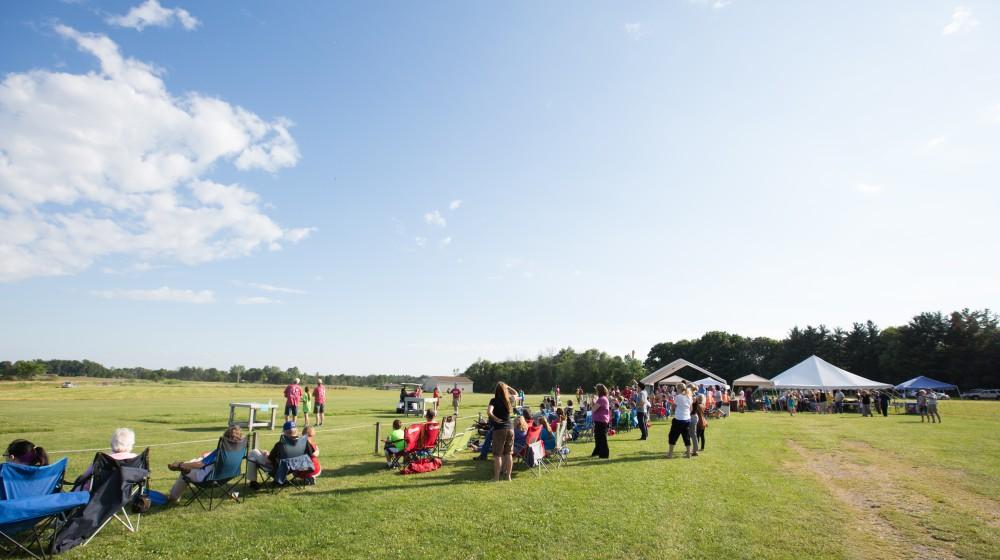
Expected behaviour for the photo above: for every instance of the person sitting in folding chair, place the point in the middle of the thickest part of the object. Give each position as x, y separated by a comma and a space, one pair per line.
394, 444
122, 442
197, 470
289, 446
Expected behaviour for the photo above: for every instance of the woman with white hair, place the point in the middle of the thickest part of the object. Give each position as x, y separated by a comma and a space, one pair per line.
122, 442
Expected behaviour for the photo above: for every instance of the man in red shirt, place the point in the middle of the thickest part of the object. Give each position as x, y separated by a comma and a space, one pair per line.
456, 397
437, 398
293, 396
319, 398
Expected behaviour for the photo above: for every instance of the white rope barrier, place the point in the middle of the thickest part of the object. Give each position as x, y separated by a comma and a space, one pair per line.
319, 431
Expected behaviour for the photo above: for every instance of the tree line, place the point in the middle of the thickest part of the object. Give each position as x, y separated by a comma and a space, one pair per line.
961, 348
28, 369
567, 368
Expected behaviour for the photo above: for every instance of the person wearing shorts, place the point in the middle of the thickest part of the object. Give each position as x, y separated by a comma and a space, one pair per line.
456, 398
499, 412
319, 397
293, 395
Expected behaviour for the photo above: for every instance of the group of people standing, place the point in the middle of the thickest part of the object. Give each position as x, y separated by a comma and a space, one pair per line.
297, 397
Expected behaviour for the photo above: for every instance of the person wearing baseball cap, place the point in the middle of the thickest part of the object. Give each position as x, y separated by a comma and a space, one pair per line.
289, 445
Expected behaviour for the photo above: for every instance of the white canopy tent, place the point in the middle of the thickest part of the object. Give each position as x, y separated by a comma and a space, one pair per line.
711, 382
661, 375
752, 380
816, 373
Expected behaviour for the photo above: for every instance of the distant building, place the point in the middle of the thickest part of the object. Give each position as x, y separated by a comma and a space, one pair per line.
445, 383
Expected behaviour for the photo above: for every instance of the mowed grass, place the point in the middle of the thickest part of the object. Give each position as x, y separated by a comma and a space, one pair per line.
768, 485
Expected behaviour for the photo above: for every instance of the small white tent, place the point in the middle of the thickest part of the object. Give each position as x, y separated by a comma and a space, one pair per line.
711, 382
752, 380
663, 374
816, 373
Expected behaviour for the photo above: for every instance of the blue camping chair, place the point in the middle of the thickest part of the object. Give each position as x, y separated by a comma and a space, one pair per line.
31, 504
227, 473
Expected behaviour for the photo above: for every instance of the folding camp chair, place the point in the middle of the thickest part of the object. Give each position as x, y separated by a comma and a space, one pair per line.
114, 485
456, 444
559, 453
585, 430
430, 435
533, 434
227, 473
411, 437
299, 470
447, 434
31, 505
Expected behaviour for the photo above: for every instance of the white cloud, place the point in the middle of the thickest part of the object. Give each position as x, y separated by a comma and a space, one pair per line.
110, 162
714, 4
257, 300
435, 219
634, 31
444, 242
455, 204
151, 14
420, 241
277, 289
934, 143
868, 189
163, 293
962, 20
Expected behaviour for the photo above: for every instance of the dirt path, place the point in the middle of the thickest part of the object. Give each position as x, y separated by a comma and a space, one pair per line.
873, 492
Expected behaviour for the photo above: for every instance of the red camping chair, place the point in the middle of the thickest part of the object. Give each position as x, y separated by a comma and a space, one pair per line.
533, 434
411, 439
429, 440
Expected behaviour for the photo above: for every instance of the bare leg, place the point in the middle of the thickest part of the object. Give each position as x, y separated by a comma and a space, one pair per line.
508, 464
497, 459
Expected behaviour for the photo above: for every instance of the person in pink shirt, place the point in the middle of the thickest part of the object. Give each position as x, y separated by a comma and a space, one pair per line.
601, 415
293, 396
319, 400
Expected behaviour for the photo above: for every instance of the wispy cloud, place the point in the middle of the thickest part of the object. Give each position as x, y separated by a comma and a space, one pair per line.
151, 14
714, 4
163, 293
868, 189
934, 143
435, 218
277, 289
962, 20
444, 242
634, 31
455, 204
257, 300
420, 241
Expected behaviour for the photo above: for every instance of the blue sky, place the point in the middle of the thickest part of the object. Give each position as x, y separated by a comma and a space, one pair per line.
359, 188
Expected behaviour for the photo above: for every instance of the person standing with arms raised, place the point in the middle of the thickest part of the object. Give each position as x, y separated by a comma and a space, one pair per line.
601, 416
499, 412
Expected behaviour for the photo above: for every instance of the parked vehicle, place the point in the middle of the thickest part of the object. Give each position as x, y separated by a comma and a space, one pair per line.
977, 394
941, 396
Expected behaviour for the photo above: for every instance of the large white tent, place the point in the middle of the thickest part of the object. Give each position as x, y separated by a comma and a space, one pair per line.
816, 373
661, 375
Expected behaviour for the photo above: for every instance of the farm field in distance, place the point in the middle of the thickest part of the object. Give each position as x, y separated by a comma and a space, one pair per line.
768, 485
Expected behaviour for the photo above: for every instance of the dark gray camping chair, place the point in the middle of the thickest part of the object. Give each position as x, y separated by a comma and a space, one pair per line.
115, 485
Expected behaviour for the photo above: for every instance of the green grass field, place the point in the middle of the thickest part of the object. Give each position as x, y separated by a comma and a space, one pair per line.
768, 486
